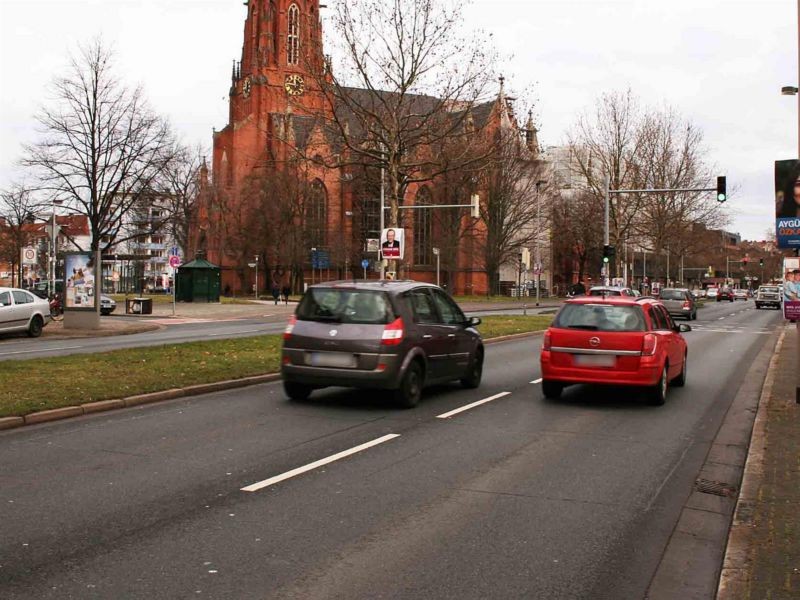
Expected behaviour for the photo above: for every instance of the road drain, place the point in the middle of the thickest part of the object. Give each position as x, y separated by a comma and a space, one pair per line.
706, 486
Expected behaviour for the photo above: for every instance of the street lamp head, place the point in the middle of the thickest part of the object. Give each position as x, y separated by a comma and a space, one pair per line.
788, 90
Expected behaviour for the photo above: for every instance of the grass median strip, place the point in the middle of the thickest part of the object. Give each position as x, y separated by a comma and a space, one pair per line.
28, 386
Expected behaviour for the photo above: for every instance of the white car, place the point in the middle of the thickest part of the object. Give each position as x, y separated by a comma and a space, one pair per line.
22, 311
712, 293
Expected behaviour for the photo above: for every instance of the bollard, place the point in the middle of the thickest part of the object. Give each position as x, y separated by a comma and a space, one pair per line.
524, 310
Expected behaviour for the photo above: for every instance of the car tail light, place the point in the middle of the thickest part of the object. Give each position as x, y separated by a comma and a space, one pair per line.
393, 333
649, 344
546, 341
686, 304
287, 333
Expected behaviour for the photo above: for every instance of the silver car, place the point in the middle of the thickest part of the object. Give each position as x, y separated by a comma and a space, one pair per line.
398, 336
22, 311
679, 303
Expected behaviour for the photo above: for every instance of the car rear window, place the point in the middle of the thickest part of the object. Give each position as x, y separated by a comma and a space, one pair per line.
672, 295
600, 317
604, 292
772, 290
333, 305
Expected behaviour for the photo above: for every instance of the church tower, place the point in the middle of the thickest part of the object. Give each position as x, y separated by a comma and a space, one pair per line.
281, 65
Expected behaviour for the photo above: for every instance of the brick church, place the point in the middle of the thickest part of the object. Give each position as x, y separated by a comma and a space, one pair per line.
287, 201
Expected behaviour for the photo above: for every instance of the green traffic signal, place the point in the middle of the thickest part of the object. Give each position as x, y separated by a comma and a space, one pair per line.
722, 194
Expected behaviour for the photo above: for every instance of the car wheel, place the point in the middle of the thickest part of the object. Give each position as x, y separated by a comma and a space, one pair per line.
35, 328
105, 313
410, 391
758, 306
694, 316
473, 377
657, 394
680, 380
297, 391
551, 389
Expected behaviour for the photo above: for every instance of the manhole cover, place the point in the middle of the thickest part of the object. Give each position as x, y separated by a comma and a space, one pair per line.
706, 486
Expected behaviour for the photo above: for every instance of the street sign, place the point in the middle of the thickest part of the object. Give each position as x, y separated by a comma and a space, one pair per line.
174, 251
29, 255
320, 259
251, 265
373, 244
364, 264
174, 261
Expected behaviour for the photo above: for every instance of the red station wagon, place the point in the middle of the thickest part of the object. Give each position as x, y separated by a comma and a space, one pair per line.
614, 340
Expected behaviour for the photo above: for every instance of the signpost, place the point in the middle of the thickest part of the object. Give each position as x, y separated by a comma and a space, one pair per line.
174, 262
364, 265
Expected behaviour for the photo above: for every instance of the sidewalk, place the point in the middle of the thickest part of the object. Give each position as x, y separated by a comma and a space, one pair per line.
762, 559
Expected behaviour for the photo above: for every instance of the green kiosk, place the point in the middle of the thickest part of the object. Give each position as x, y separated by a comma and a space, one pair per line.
198, 281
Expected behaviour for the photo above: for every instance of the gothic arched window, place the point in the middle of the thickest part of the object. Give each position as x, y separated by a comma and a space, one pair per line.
293, 36
317, 215
423, 228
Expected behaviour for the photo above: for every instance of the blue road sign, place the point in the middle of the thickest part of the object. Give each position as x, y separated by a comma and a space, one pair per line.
364, 264
320, 259
174, 251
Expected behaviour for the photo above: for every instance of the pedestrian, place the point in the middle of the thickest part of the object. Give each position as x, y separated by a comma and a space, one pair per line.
276, 291
285, 290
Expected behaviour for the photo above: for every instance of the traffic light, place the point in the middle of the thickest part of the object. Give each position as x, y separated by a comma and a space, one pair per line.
608, 253
761, 262
745, 260
722, 194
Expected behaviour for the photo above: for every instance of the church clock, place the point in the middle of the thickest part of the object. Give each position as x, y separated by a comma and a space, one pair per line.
246, 86
294, 85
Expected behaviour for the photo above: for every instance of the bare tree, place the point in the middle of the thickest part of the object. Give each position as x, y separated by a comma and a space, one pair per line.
101, 148
182, 186
645, 149
17, 209
408, 79
517, 207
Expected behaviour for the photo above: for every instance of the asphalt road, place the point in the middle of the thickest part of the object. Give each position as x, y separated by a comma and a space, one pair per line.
516, 497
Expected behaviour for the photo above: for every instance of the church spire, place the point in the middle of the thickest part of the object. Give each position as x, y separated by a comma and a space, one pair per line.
531, 139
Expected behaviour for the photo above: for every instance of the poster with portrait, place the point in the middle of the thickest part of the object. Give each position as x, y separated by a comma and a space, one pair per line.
787, 203
79, 281
392, 243
791, 288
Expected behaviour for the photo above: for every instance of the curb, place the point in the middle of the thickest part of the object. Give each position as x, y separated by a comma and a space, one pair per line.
692, 560
66, 412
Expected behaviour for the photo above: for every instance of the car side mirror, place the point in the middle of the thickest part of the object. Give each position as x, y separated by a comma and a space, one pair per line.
473, 321
683, 328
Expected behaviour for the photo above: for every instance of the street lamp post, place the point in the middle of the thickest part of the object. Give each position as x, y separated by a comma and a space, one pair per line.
538, 240
256, 259
436, 254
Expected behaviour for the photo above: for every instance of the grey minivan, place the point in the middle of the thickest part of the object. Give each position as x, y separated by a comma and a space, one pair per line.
393, 335
679, 303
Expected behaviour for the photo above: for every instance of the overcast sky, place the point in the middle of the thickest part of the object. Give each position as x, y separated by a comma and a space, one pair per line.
720, 63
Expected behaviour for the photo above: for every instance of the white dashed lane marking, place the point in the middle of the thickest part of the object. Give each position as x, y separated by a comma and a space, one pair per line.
318, 463
536, 381
473, 405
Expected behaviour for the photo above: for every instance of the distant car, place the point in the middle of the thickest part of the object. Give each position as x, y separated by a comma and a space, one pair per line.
712, 292
725, 294
608, 290
768, 295
617, 341
21, 310
395, 335
679, 303
107, 305
698, 293
740, 295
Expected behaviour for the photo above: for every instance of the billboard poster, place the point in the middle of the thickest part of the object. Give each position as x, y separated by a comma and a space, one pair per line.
787, 203
392, 243
791, 288
79, 281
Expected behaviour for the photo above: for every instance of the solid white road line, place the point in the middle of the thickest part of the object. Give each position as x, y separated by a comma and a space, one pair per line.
319, 463
473, 405
40, 350
536, 381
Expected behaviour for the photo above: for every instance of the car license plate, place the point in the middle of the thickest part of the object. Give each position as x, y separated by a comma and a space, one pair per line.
594, 360
333, 359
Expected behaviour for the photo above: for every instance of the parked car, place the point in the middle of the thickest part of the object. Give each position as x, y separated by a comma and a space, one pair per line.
107, 305
395, 335
679, 303
609, 290
617, 341
21, 310
725, 293
740, 295
768, 295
